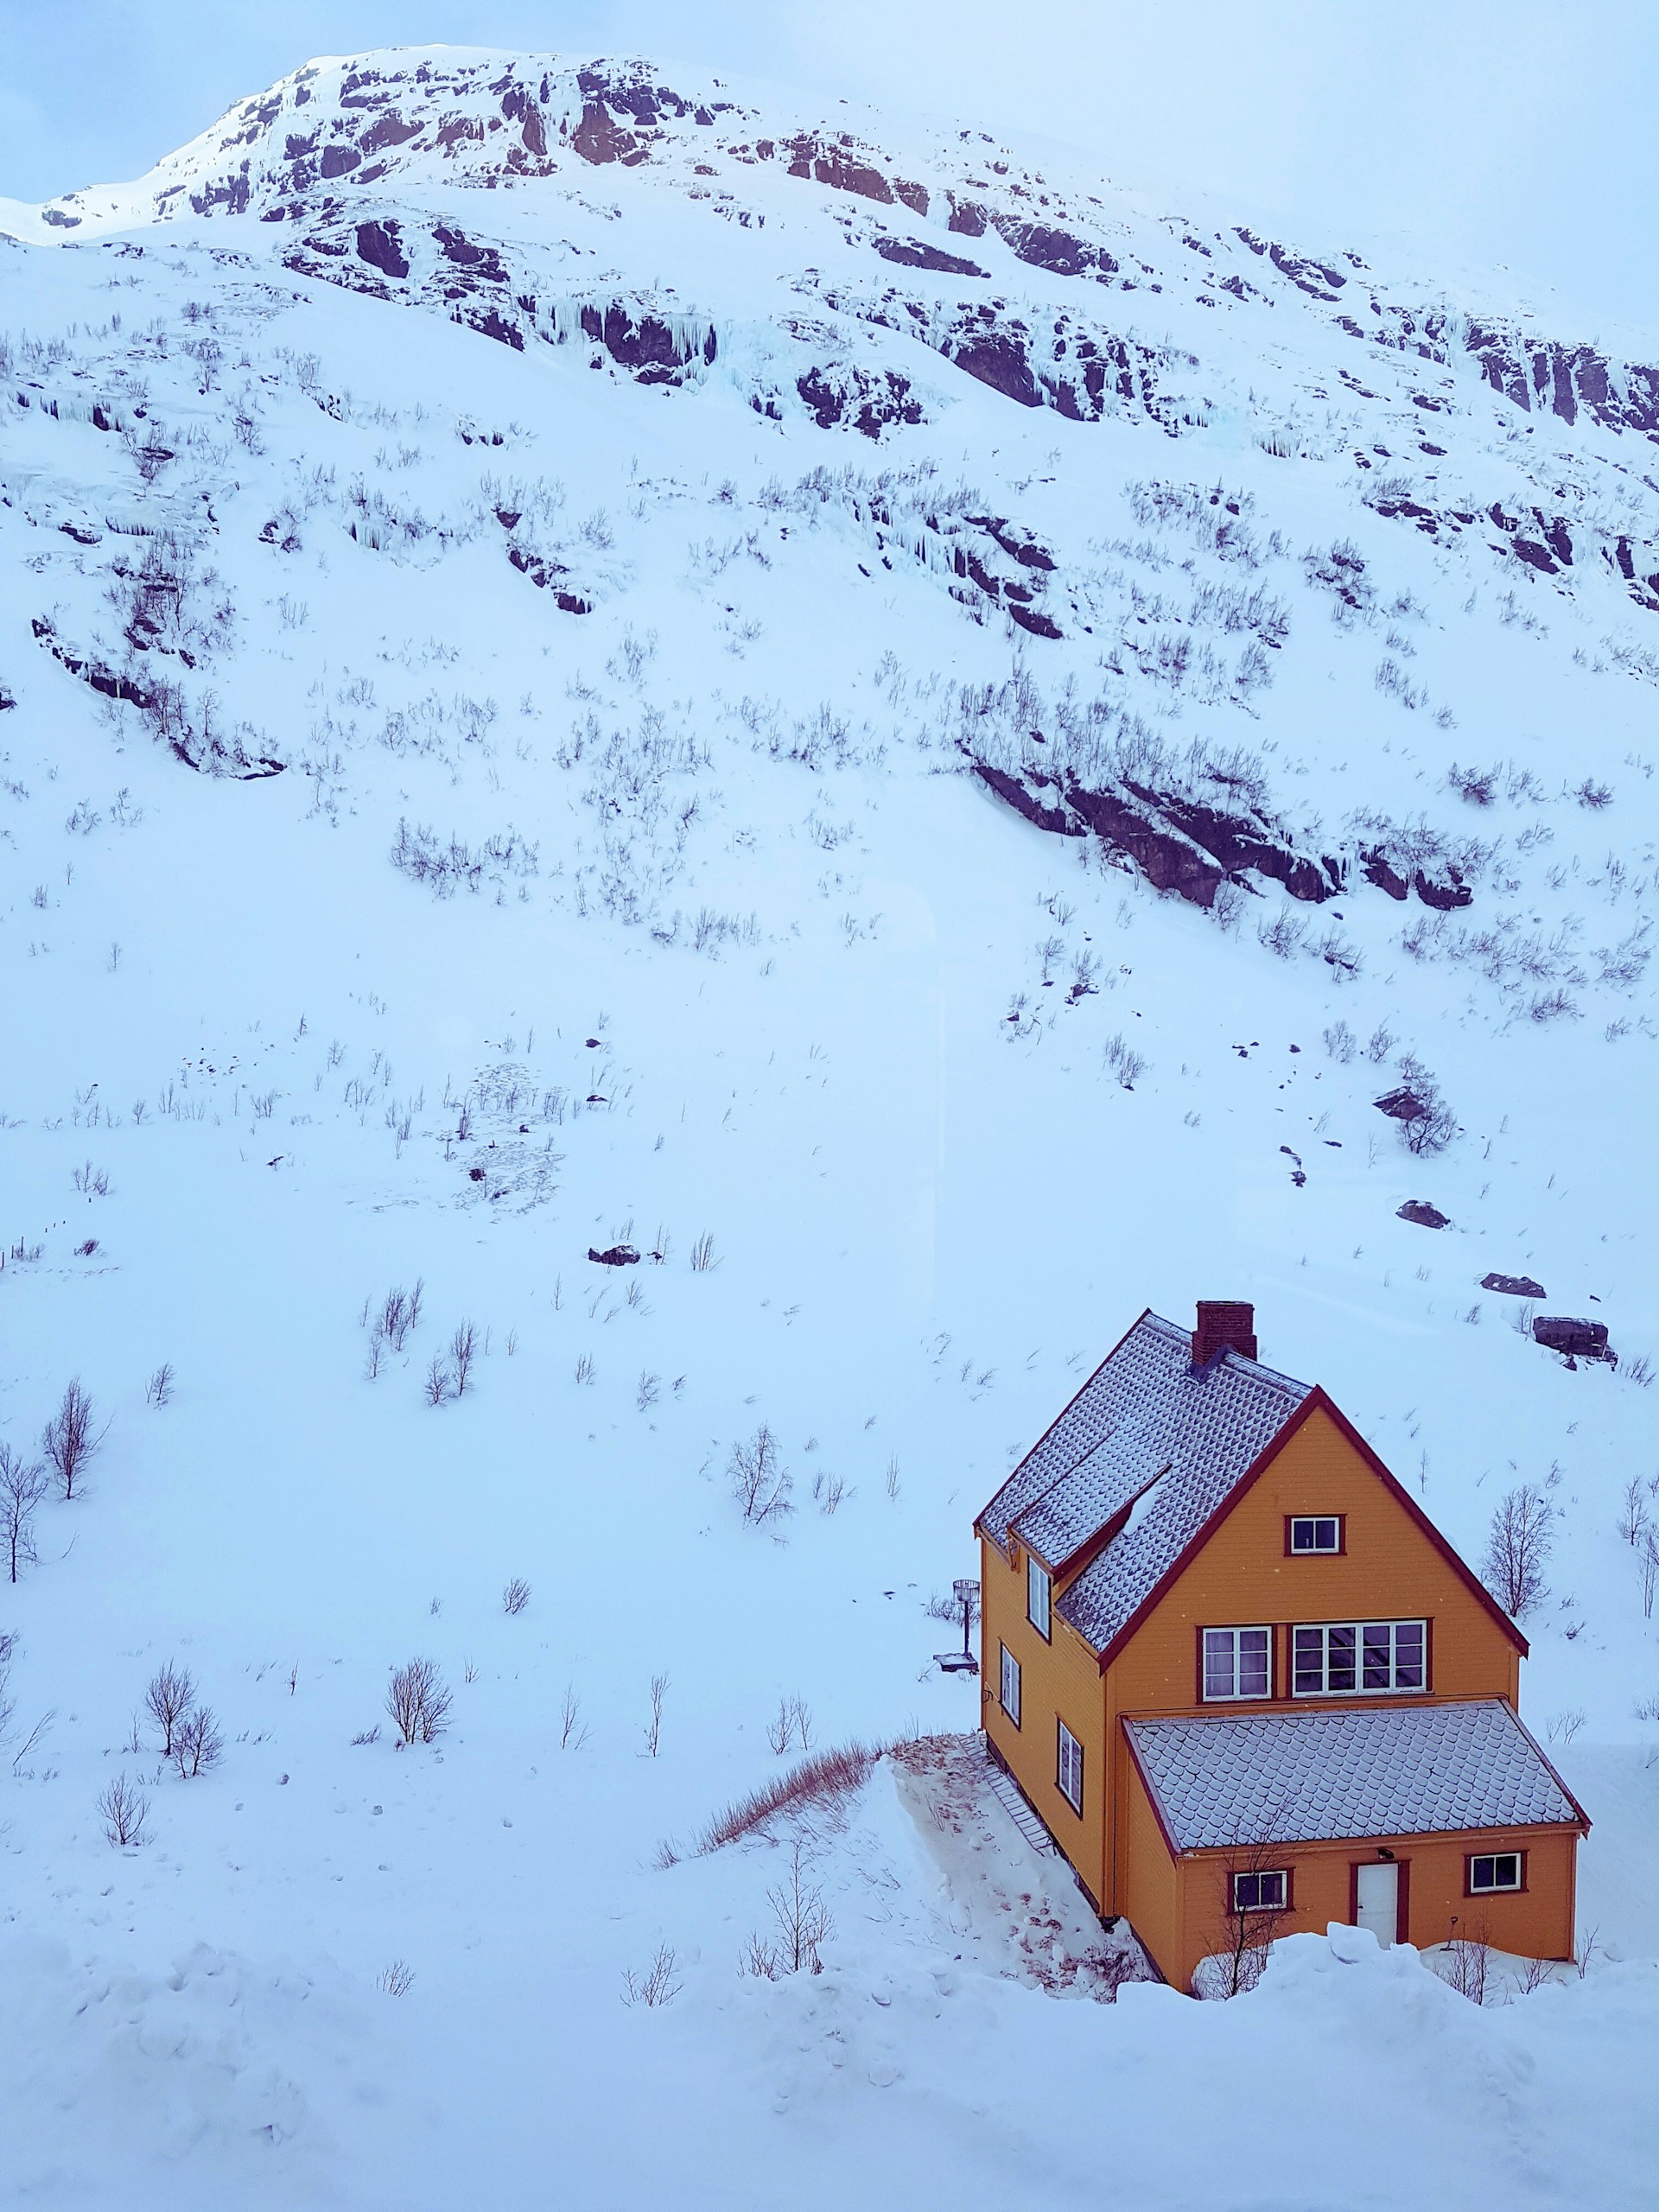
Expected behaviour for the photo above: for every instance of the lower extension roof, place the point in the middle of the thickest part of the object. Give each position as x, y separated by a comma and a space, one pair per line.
1235, 1780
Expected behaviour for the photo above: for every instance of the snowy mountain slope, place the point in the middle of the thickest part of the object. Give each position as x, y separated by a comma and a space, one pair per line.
654, 639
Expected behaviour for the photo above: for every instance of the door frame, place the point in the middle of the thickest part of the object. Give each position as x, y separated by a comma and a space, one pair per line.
1402, 1893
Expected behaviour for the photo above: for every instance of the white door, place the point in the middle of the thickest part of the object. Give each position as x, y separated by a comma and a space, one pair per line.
1379, 1899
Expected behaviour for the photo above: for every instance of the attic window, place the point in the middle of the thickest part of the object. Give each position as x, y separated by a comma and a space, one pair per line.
1037, 1594
1316, 1532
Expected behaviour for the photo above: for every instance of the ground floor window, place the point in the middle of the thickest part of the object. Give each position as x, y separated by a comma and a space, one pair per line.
1490, 1871
1266, 1891
1009, 1691
1070, 1771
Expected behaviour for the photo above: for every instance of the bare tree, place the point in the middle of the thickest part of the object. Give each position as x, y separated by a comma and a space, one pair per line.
197, 1742
419, 1702
654, 1727
804, 1921
516, 1596
1633, 1510
68, 1439
572, 1729
125, 1809
1517, 1547
170, 1697
158, 1391
440, 1384
23, 1485
761, 1482
792, 1723
1248, 1925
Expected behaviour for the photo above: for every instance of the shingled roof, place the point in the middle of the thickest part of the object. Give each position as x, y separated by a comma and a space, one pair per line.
1150, 1434
1317, 1776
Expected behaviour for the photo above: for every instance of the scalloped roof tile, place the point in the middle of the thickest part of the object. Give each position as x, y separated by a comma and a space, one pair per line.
1321, 1775
1147, 1425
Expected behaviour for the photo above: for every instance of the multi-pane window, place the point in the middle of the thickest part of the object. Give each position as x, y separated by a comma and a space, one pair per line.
1237, 1662
1316, 1532
1010, 1688
1494, 1870
1068, 1770
1337, 1658
1267, 1891
1037, 1594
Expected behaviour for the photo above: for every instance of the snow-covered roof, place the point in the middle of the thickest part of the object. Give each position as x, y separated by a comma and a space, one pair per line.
1146, 1422
1317, 1776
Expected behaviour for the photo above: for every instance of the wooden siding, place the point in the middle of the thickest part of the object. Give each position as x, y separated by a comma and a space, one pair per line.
1059, 1681
1389, 1569
1536, 1922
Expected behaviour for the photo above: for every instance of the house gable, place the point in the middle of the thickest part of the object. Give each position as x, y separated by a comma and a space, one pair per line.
1237, 1571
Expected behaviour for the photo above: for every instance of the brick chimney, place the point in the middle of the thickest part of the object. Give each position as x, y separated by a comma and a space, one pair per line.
1224, 1324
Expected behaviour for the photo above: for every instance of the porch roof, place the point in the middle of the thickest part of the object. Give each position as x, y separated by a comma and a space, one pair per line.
1319, 1775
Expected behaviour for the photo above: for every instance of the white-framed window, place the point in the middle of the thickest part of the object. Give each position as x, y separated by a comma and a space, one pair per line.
1037, 1594
1237, 1662
1315, 1532
1342, 1658
1265, 1891
1069, 1768
1008, 1689
1490, 1871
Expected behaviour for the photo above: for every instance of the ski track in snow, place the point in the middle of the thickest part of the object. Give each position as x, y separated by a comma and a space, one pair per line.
482, 929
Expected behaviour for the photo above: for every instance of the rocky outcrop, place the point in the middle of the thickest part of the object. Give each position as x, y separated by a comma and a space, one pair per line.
866, 400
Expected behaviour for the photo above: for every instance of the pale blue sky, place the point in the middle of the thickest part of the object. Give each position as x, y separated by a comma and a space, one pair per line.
1482, 132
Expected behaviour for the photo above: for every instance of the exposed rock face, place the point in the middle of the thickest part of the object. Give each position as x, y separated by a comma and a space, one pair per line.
869, 400
1513, 1286
1576, 1340
1424, 1215
377, 244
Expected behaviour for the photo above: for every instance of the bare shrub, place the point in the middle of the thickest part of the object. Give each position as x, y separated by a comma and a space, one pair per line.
418, 1701
1339, 1041
821, 1780
1465, 1963
197, 1742
654, 1725
655, 1985
804, 1921
158, 1391
125, 1809
170, 1697
68, 1439
1281, 931
396, 1979
516, 1596
703, 1254
463, 1350
23, 1485
1518, 1545
439, 1386
760, 1483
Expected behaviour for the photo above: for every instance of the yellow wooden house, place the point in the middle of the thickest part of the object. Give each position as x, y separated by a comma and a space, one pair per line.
1244, 1681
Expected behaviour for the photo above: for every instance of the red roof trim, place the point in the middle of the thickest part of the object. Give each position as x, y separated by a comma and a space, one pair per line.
979, 1520
1584, 1817
1317, 1401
